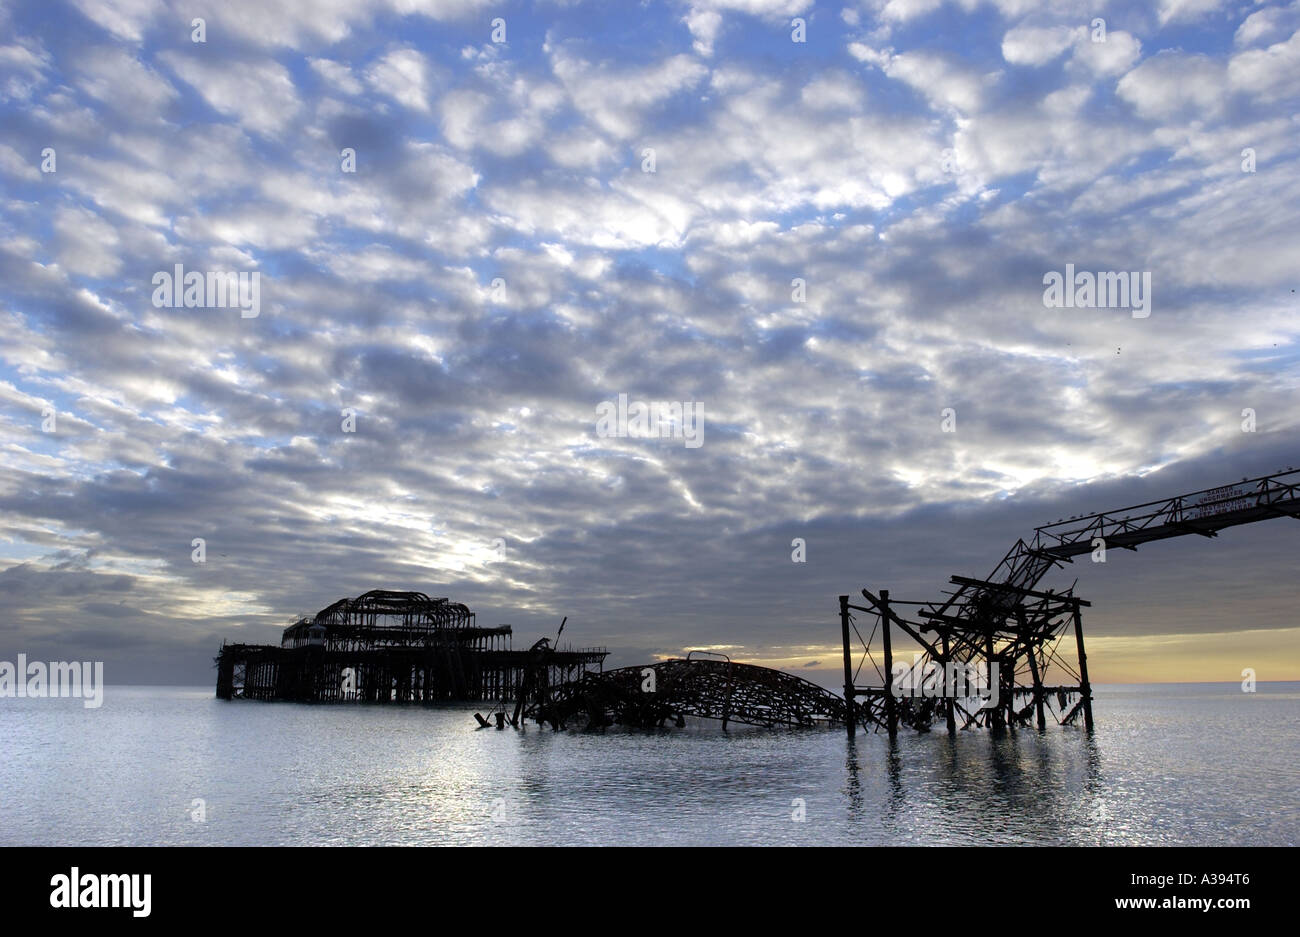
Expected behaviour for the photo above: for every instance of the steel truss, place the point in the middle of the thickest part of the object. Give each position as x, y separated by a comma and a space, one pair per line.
1006, 628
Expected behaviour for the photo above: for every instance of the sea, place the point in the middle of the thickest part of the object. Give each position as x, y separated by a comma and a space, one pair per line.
1168, 764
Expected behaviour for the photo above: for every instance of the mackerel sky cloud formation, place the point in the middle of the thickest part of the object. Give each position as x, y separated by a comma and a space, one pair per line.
823, 243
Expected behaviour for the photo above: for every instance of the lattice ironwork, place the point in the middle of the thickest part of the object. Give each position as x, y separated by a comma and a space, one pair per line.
1004, 625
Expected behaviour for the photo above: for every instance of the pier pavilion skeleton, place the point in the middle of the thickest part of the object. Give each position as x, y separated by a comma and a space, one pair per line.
388, 646
1006, 620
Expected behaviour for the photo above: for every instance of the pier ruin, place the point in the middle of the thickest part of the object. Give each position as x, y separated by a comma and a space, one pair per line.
708, 686
1014, 634
996, 653
401, 647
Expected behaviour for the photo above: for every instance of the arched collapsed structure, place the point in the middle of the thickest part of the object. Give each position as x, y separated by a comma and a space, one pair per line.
668, 691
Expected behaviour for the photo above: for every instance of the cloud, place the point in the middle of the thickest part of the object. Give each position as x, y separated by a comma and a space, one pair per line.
122, 82
1112, 57
1173, 11
1037, 45
1267, 25
942, 79
705, 18
403, 75
87, 243
836, 91
23, 67
259, 95
339, 75
704, 24
1173, 84
615, 99
1267, 75
124, 19
13, 163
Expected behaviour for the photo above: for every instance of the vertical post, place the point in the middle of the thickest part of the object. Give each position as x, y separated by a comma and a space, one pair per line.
1085, 687
225, 674
995, 714
891, 714
850, 720
1038, 689
948, 690
1033, 669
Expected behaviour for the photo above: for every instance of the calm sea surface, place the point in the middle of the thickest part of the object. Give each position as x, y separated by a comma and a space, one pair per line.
1169, 764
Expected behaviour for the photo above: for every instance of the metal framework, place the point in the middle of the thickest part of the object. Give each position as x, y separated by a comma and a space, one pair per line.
382, 618
1204, 512
668, 691
387, 646
1006, 629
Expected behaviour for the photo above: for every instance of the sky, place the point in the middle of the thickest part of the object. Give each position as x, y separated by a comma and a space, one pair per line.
824, 230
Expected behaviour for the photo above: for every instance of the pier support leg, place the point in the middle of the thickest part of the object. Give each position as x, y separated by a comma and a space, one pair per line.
1038, 689
225, 675
995, 713
891, 710
1085, 687
950, 715
850, 718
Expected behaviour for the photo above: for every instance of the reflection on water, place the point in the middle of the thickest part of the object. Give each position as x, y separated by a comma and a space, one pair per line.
1167, 765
